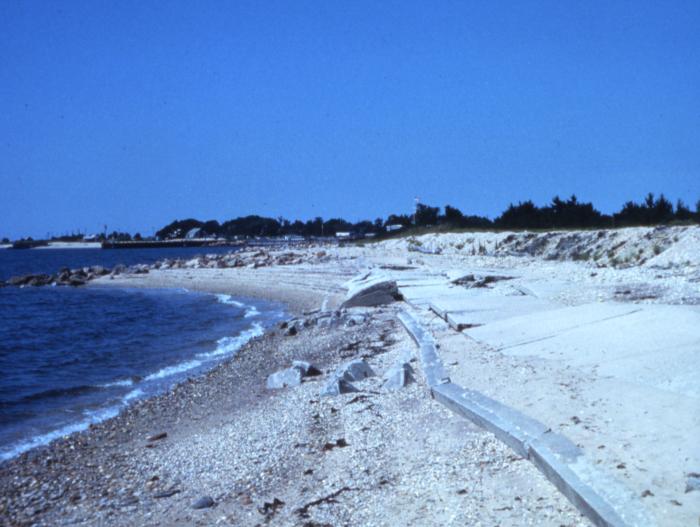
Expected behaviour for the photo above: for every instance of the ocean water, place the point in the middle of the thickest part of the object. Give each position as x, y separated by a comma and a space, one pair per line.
70, 357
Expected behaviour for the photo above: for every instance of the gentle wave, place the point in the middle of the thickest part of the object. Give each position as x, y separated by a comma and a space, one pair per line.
225, 347
114, 384
60, 392
133, 394
229, 345
93, 417
252, 311
172, 370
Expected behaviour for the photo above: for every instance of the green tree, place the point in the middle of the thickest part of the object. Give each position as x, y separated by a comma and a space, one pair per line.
426, 215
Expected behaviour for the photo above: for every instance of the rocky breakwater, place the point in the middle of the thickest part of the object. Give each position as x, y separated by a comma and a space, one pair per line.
72, 277
249, 259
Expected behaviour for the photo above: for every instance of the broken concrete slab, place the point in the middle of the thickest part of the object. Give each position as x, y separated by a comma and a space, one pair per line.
534, 326
626, 342
371, 290
284, 378
600, 497
463, 312
306, 368
355, 370
336, 386
398, 376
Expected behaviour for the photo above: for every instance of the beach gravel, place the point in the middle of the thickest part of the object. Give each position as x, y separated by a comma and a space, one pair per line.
231, 452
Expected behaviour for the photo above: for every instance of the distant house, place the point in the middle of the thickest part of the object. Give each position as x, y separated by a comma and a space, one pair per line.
343, 235
394, 227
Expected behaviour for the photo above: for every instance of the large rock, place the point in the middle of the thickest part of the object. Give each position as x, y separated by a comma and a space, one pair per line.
98, 270
20, 280
398, 376
306, 368
356, 370
292, 376
203, 503
370, 291
693, 482
284, 378
336, 386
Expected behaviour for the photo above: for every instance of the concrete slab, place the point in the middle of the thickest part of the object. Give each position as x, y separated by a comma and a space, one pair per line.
464, 311
540, 325
423, 293
633, 343
620, 380
596, 494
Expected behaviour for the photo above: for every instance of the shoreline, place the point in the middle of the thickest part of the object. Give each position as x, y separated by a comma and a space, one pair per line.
154, 381
275, 428
224, 423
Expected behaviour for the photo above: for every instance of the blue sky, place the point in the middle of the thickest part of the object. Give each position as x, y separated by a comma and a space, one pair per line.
133, 114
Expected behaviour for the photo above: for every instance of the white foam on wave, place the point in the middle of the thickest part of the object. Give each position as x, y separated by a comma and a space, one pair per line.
224, 346
228, 300
92, 417
133, 394
175, 369
230, 345
251, 312
114, 384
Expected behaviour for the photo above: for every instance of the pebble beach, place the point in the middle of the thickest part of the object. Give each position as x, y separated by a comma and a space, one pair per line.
223, 449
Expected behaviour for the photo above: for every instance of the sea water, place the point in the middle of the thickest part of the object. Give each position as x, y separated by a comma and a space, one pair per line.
70, 357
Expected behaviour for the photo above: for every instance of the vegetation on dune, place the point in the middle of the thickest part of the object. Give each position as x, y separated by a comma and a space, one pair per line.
559, 214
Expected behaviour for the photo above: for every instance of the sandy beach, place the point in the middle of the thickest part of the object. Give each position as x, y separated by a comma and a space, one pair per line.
372, 457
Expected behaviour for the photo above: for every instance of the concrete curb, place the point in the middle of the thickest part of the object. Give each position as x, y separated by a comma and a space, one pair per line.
433, 370
601, 498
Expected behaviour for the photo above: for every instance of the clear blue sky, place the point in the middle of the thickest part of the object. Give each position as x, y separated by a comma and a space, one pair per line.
133, 114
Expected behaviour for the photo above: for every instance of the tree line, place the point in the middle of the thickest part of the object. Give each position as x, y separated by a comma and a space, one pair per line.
570, 213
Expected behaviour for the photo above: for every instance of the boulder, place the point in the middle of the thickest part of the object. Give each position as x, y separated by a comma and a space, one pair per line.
292, 376
20, 280
371, 291
98, 270
63, 278
355, 320
356, 370
336, 386
398, 376
39, 280
327, 319
203, 503
693, 482
306, 368
284, 378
